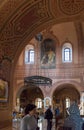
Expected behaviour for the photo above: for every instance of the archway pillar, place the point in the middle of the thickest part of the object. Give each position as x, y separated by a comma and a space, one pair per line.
81, 107
47, 97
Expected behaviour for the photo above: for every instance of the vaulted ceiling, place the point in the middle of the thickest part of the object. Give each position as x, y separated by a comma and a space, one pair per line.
20, 20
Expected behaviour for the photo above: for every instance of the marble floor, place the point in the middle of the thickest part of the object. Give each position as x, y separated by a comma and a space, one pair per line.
41, 123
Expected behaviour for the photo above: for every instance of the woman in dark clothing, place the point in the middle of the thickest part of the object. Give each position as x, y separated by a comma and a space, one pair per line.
49, 117
29, 122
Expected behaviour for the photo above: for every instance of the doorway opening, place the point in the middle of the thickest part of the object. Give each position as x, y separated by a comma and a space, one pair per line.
64, 96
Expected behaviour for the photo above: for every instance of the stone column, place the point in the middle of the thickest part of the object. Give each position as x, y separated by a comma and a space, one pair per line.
82, 103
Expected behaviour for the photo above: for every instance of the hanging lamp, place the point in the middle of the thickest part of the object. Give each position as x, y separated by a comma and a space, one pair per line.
38, 79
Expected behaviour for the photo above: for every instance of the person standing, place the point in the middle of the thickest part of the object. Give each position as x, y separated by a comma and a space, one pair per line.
49, 117
29, 122
57, 115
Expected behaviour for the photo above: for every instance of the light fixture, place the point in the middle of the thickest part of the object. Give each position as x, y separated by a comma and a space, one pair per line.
38, 79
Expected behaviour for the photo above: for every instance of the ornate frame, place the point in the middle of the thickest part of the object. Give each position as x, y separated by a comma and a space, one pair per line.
3, 90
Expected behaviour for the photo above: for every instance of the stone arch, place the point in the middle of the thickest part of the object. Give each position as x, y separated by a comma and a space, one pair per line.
26, 87
68, 88
76, 85
63, 92
29, 91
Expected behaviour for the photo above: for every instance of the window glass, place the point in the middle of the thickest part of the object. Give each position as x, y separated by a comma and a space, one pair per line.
29, 54
67, 102
67, 52
38, 103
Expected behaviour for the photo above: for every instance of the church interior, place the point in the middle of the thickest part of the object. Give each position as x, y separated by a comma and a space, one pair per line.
41, 56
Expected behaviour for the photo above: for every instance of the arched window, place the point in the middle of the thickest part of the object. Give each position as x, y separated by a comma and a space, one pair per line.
67, 52
38, 103
67, 102
29, 54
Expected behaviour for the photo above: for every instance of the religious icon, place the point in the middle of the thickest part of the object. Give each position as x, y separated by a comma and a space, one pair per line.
48, 56
3, 90
47, 101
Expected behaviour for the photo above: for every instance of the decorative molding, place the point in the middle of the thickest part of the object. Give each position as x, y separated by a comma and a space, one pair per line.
71, 7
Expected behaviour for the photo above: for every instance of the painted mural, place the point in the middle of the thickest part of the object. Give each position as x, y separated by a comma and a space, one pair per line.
3, 91
48, 54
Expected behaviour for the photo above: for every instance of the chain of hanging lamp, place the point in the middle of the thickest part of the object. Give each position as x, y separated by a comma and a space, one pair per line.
38, 79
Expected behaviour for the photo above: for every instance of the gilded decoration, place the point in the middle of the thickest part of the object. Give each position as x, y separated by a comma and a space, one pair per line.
3, 94
19, 19
9, 8
71, 7
18, 26
3, 91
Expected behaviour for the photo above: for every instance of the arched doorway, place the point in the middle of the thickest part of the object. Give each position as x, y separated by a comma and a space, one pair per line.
63, 97
29, 94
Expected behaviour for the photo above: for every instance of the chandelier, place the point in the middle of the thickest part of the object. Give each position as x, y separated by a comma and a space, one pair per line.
38, 79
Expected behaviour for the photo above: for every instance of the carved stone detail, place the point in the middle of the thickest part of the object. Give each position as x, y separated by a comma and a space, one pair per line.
71, 7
